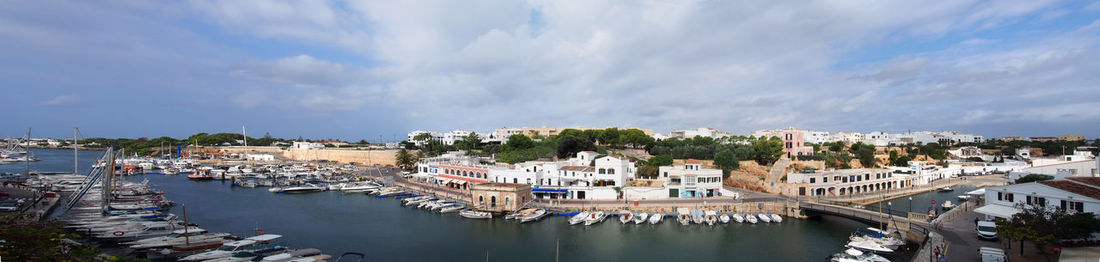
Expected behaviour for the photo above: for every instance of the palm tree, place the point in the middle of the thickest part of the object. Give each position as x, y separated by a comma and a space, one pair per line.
404, 159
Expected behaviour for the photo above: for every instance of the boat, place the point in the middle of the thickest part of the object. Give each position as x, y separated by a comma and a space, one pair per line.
683, 217
879, 236
533, 215
776, 218
626, 217
228, 249
656, 218
274, 189
288, 256
964, 197
578, 218
200, 174
751, 219
710, 217
358, 187
640, 218
854, 255
595, 217
724, 219
474, 214
946, 189
947, 205
738, 218
697, 216
869, 246
764, 218
451, 209
307, 188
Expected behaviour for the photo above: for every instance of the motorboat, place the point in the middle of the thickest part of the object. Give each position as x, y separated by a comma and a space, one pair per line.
359, 187
710, 217
656, 218
578, 218
947, 205
274, 189
764, 218
307, 252
683, 217
869, 246
888, 242
854, 255
751, 219
470, 213
640, 218
183, 250
724, 219
200, 174
776, 218
946, 189
595, 217
533, 215
738, 218
307, 188
964, 197
626, 217
258, 244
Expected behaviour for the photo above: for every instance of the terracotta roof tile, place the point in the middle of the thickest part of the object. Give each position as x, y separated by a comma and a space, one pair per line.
1092, 181
579, 168
1076, 188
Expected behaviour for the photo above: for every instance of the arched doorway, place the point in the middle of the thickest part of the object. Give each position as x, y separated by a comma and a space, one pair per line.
493, 201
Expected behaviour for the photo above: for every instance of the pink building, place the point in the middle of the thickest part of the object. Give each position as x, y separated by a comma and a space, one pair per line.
793, 142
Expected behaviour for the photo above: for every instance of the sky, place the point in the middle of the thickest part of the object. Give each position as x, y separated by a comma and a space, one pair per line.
376, 70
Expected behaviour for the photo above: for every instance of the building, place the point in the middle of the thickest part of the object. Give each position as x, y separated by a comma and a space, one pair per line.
847, 182
261, 157
500, 197
432, 135
1060, 168
702, 131
847, 137
691, 180
1075, 194
879, 138
449, 138
793, 140
1043, 138
306, 145
818, 137
1071, 138
1011, 138
918, 138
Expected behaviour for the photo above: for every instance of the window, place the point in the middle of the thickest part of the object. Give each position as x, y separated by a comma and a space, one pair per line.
601, 171
1001, 197
825, 180
811, 180
867, 176
1010, 198
611, 171
1073, 206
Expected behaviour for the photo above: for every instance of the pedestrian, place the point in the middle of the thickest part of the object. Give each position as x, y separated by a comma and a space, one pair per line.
976, 221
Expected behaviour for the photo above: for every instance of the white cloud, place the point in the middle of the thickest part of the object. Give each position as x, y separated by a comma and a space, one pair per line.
61, 100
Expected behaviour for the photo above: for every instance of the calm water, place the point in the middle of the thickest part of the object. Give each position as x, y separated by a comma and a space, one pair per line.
385, 231
922, 202
54, 160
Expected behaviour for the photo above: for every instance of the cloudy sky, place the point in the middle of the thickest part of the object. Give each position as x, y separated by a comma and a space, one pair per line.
371, 69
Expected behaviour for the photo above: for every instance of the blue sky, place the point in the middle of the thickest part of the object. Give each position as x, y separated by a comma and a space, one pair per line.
371, 69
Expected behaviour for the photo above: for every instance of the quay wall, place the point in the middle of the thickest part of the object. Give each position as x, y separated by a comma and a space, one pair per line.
342, 155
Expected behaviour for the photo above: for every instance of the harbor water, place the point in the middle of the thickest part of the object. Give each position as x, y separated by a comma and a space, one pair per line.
386, 231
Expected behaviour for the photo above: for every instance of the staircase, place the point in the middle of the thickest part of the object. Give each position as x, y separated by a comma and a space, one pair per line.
779, 169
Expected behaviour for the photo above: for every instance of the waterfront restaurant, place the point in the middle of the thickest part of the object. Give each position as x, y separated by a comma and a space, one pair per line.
500, 197
847, 181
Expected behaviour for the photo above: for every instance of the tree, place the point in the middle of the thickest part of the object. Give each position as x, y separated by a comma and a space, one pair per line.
865, 153
660, 160
405, 160
648, 171
726, 160
518, 142
570, 145
767, 150
609, 137
1043, 226
1033, 178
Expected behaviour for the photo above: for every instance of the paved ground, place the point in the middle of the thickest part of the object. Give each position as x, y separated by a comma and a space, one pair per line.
961, 233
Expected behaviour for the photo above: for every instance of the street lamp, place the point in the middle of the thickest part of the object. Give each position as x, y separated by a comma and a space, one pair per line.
910, 204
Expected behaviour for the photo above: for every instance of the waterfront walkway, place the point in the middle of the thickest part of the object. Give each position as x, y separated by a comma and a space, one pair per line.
867, 198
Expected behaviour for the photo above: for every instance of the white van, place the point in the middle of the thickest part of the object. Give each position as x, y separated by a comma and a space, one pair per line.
987, 230
990, 254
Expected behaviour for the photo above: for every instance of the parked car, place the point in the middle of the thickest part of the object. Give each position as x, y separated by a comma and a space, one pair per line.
987, 230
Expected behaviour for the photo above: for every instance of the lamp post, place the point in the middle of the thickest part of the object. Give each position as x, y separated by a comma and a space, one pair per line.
910, 204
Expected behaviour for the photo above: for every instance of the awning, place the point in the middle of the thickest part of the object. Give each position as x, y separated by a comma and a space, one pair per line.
1000, 211
443, 180
460, 182
549, 190
978, 192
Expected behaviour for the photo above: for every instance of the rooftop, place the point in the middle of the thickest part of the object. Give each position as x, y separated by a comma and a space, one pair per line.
1092, 181
579, 168
1073, 187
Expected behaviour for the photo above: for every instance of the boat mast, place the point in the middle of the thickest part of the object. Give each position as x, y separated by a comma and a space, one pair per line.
76, 164
27, 156
244, 134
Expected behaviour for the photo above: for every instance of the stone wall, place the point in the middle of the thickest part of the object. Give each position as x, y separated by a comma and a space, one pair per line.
368, 157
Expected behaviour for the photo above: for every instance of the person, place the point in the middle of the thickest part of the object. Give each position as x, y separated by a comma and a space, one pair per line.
976, 221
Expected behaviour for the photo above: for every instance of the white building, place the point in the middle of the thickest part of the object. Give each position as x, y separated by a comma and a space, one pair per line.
306, 145
918, 138
691, 180
847, 137
434, 136
702, 131
879, 138
261, 157
847, 182
1075, 194
818, 137
449, 138
1060, 169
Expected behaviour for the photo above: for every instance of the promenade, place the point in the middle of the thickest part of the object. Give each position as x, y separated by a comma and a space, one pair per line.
867, 198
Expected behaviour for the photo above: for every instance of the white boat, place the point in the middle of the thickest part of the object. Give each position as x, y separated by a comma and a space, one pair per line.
710, 217
656, 218
357, 187
751, 219
724, 219
626, 217
595, 217
947, 205
738, 218
227, 249
640, 218
274, 189
292, 255
475, 214
776, 218
964, 198
869, 246
578, 218
307, 188
533, 215
946, 189
764, 218
450, 209
683, 217
697, 216
854, 255
888, 242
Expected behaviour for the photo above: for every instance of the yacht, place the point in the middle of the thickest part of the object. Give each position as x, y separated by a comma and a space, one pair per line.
451, 209
307, 188
359, 187
595, 217
252, 244
578, 218
869, 246
946, 189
